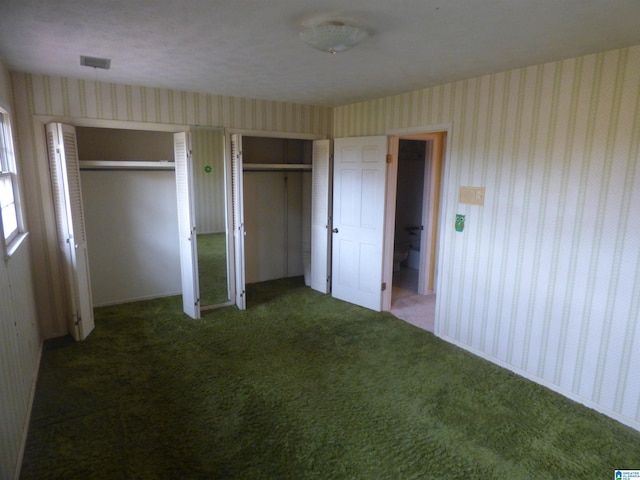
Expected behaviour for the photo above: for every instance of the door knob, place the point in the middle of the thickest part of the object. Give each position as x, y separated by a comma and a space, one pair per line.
335, 230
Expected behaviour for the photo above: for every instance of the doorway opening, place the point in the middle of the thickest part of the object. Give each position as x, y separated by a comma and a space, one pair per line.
407, 240
415, 184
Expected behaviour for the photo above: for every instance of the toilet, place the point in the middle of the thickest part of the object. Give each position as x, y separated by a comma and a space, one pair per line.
413, 258
400, 254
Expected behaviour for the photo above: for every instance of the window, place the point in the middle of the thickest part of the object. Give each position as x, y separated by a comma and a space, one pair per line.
11, 224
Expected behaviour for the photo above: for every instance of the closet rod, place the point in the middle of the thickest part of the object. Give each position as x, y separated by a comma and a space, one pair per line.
125, 165
128, 169
275, 167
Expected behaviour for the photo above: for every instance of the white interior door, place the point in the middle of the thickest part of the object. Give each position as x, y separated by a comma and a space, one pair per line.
67, 193
186, 228
320, 215
358, 219
238, 219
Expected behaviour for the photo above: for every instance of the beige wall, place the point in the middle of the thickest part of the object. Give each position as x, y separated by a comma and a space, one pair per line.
123, 145
545, 278
81, 101
19, 338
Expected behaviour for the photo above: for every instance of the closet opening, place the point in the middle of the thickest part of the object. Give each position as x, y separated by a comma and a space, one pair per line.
116, 190
130, 214
277, 208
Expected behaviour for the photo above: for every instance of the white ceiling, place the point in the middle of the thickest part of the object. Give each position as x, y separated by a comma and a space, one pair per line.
251, 48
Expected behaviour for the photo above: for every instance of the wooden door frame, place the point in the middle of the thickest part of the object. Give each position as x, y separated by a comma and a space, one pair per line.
438, 137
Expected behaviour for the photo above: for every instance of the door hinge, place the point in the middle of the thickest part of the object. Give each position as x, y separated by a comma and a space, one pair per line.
389, 158
384, 286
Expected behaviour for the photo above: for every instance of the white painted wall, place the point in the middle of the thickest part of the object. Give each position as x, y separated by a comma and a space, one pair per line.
19, 339
545, 278
273, 215
131, 221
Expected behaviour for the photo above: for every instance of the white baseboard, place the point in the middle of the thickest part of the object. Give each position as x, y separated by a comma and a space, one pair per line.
629, 422
138, 299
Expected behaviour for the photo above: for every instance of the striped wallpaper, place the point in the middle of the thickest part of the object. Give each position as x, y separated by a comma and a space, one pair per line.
545, 278
19, 337
75, 100
19, 354
207, 146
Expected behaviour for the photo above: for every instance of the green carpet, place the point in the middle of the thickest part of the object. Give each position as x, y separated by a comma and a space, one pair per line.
300, 386
212, 268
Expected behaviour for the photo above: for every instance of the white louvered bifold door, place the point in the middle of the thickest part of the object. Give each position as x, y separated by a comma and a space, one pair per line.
186, 229
238, 218
67, 194
320, 216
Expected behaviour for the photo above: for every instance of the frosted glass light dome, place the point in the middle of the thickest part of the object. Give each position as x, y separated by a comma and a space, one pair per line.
333, 37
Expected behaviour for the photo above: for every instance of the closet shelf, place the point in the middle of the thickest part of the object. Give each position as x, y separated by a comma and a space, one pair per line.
256, 167
126, 165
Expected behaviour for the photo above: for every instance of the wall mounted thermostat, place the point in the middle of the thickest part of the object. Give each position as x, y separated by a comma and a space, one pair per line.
471, 195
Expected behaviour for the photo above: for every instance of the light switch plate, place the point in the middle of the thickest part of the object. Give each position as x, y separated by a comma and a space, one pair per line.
472, 195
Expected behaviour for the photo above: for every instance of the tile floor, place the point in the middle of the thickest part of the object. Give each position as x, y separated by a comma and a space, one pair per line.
407, 305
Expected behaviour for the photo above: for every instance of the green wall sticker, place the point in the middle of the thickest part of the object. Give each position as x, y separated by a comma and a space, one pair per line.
459, 222
207, 168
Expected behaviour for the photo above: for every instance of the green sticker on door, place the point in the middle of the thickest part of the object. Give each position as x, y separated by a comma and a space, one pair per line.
459, 222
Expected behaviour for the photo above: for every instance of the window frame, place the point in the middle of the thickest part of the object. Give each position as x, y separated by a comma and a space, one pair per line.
9, 169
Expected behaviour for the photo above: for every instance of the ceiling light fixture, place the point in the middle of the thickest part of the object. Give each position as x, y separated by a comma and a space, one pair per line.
333, 37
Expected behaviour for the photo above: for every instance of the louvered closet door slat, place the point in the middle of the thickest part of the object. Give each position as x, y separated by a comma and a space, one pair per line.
186, 232
67, 191
238, 218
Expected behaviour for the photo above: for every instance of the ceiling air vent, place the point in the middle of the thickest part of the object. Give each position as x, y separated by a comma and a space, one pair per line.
95, 62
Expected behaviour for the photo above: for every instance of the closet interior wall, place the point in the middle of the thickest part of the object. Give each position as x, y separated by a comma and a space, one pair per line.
130, 215
277, 207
